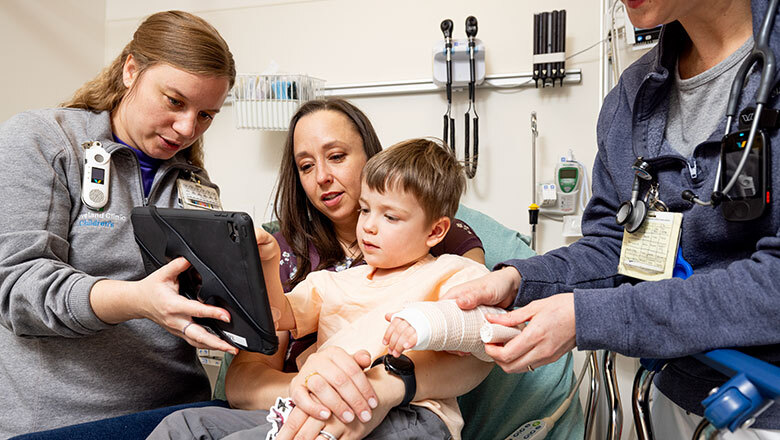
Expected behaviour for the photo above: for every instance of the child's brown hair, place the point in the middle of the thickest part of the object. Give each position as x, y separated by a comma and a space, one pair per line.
425, 168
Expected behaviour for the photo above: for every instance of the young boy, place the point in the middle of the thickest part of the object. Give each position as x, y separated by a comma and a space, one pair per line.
410, 192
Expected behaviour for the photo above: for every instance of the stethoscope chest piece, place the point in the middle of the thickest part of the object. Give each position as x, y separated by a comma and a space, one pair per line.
631, 214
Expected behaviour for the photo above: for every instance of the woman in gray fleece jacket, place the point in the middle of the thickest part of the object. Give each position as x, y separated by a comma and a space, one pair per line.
83, 332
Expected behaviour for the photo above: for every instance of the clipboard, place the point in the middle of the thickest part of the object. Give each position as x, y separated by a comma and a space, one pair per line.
225, 268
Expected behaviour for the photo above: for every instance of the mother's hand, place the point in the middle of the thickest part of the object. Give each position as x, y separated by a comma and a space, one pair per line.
549, 334
301, 426
337, 381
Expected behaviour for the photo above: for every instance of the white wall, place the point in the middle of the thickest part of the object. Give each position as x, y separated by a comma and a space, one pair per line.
49, 48
352, 41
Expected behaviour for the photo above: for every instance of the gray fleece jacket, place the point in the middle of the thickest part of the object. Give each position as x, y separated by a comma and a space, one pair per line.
60, 363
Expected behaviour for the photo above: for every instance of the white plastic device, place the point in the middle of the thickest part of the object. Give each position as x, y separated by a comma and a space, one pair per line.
568, 180
638, 38
460, 63
97, 176
534, 430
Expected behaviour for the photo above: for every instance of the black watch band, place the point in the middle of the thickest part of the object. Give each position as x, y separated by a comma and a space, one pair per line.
402, 367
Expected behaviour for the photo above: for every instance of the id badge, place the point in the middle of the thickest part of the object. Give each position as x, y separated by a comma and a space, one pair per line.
649, 253
193, 195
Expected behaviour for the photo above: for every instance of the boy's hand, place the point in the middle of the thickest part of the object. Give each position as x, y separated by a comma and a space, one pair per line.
399, 336
270, 254
267, 246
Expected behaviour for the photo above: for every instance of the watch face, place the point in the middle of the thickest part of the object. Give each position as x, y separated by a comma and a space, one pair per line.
401, 364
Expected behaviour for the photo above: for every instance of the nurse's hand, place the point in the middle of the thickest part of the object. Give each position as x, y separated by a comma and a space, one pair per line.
337, 380
157, 298
497, 288
174, 312
549, 334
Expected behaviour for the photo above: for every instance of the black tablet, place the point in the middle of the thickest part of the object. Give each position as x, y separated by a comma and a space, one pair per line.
225, 268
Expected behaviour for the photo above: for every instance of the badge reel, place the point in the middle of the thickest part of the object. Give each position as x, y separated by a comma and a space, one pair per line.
97, 176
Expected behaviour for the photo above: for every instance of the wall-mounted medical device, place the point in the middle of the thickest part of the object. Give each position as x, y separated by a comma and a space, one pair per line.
639, 38
560, 197
549, 48
97, 176
460, 63
461, 67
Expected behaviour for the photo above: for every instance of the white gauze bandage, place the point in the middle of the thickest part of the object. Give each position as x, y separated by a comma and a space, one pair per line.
442, 325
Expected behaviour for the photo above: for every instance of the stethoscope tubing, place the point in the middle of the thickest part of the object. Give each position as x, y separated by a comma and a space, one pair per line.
761, 53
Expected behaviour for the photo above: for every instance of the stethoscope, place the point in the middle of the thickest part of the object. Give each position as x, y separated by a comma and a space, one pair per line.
763, 53
632, 213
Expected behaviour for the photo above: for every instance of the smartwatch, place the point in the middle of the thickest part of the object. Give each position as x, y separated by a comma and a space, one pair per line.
402, 367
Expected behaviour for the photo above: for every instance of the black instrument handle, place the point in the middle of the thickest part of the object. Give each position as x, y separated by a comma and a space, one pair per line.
471, 160
446, 129
466, 140
452, 134
472, 73
562, 45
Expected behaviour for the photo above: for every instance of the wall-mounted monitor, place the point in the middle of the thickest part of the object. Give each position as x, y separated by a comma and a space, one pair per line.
639, 38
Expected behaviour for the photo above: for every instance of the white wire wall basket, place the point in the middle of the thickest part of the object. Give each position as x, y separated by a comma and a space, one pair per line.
267, 102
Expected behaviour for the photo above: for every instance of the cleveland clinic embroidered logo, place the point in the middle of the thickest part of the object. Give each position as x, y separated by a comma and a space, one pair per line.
104, 220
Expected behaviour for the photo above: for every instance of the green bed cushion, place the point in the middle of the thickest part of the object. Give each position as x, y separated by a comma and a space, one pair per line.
499, 242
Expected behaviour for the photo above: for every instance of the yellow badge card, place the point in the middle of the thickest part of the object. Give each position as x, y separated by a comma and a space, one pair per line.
650, 252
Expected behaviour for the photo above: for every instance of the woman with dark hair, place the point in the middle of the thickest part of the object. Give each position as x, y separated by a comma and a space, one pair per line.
83, 332
316, 203
317, 193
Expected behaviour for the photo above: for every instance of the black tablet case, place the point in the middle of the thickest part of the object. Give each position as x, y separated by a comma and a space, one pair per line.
225, 268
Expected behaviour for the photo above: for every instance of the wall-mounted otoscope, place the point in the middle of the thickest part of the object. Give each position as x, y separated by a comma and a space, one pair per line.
449, 121
459, 64
472, 118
